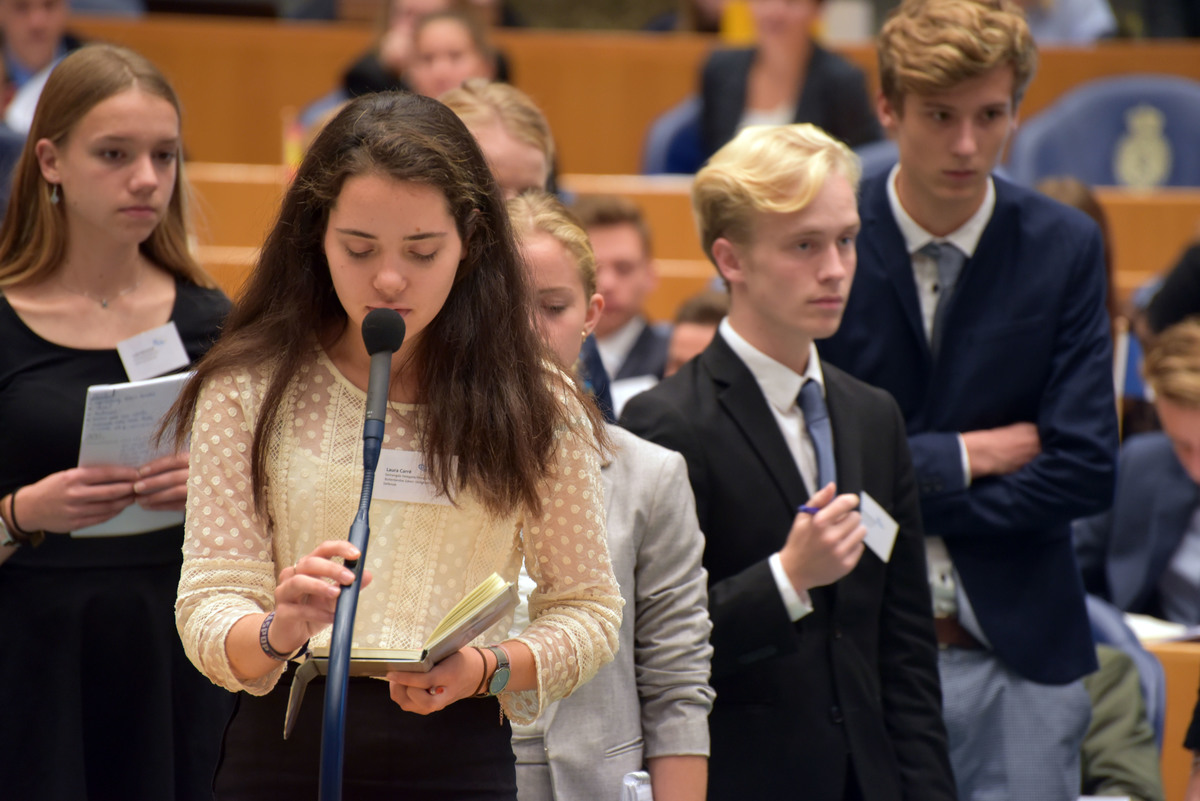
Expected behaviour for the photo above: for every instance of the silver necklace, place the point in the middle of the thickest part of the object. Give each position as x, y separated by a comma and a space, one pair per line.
105, 301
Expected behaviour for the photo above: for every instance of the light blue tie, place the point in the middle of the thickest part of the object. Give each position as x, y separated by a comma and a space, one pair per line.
949, 266
816, 420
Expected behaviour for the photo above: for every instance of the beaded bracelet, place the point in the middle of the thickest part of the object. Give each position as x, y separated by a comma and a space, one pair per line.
265, 642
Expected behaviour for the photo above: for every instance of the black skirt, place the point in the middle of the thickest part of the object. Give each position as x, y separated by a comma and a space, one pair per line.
462, 752
97, 699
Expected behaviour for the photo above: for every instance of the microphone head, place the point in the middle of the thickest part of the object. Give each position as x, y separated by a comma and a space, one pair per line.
383, 331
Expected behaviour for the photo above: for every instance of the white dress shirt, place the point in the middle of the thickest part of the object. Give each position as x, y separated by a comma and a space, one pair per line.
947, 599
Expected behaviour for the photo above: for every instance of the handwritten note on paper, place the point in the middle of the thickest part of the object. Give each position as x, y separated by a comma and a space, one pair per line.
119, 423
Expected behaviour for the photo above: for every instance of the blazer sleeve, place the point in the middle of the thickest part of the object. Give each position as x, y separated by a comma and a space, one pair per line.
1074, 474
749, 620
1091, 536
672, 655
912, 699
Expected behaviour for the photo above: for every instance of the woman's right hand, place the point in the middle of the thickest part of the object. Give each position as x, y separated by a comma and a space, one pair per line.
77, 498
305, 600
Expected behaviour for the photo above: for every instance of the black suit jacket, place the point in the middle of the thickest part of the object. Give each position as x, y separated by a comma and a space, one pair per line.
833, 97
857, 678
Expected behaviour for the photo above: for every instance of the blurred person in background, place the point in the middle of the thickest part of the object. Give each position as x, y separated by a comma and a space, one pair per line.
449, 48
35, 38
695, 325
786, 77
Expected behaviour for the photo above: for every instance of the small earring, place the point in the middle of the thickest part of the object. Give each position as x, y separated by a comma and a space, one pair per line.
584, 333
54, 194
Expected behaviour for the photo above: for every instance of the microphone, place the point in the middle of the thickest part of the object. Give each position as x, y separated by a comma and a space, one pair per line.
382, 333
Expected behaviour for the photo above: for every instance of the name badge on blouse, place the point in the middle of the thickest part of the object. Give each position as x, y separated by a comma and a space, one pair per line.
153, 353
404, 476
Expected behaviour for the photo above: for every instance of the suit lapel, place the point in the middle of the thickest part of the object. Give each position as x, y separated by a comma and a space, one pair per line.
740, 396
885, 247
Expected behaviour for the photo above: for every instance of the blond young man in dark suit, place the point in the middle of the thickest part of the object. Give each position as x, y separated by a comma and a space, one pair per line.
824, 660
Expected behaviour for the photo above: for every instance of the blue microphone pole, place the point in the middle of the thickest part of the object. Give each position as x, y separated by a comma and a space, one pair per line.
383, 333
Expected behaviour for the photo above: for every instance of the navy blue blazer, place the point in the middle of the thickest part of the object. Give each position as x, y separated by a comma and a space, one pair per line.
1124, 552
833, 97
1026, 340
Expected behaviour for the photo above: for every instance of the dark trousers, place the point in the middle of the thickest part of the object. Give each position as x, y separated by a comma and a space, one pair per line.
461, 752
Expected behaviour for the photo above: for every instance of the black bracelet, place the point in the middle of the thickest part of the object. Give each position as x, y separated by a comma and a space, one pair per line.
265, 642
32, 538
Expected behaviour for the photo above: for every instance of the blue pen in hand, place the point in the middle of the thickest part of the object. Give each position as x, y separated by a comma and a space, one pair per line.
808, 510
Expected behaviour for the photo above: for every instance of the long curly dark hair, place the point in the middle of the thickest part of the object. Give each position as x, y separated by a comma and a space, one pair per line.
493, 402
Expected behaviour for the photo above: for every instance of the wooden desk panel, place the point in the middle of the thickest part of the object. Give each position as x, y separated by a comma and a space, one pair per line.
234, 205
1181, 663
238, 78
1148, 230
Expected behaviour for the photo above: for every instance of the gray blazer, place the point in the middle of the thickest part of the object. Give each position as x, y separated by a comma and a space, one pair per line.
653, 699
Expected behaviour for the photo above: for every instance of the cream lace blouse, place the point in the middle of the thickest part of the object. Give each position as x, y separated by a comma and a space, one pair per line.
424, 556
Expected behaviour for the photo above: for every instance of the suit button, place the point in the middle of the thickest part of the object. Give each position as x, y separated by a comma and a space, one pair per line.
837, 632
835, 714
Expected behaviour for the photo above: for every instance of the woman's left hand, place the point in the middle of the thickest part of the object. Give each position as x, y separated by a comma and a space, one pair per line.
162, 484
455, 677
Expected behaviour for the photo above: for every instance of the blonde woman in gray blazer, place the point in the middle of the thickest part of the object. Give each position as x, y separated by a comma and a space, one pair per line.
648, 709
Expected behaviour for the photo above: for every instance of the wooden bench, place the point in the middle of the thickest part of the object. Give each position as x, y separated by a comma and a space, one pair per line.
234, 206
241, 79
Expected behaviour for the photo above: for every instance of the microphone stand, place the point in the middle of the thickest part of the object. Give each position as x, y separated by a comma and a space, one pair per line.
333, 725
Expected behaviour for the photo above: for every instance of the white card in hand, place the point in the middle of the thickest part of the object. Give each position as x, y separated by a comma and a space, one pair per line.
881, 527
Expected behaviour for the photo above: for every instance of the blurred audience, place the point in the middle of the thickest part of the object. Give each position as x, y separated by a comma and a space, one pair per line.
511, 130
388, 65
786, 77
696, 16
633, 351
11, 142
1119, 756
449, 48
497, 13
35, 38
695, 325
1178, 297
1143, 555
1069, 22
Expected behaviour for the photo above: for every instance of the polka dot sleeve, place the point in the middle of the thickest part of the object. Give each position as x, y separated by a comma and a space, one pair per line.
576, 609
228, 570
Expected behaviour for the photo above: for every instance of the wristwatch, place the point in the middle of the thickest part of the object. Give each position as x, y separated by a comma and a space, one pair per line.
500, 675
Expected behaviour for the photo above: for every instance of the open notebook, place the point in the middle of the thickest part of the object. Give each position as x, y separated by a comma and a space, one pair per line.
481, 609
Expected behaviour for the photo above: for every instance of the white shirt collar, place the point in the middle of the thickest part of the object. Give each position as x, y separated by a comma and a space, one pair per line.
965, 237
614, 348
779, 383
